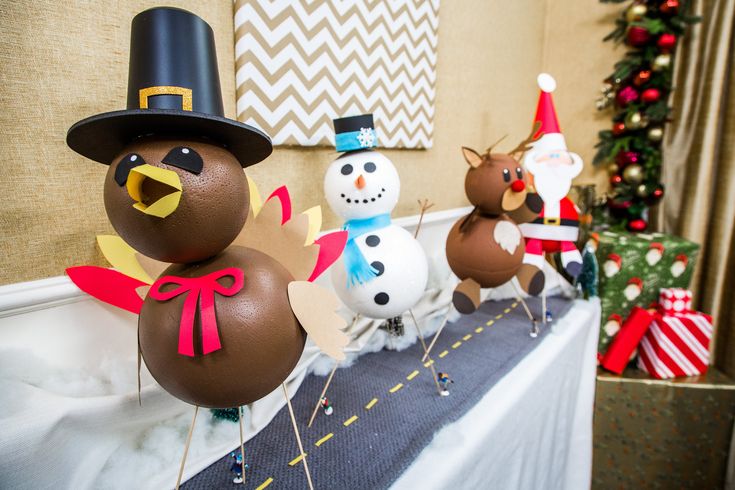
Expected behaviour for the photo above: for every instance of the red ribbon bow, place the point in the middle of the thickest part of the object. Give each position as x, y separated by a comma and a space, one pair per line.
201, 290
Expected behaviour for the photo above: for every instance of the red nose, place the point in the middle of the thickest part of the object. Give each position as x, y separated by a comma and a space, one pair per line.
518, 186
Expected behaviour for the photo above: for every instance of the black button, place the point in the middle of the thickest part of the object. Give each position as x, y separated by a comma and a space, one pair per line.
372, 241
378, 266
382, 298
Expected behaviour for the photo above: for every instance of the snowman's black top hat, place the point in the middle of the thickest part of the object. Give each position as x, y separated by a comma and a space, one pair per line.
173, 88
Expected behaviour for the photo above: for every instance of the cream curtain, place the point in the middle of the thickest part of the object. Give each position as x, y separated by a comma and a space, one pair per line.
699, 165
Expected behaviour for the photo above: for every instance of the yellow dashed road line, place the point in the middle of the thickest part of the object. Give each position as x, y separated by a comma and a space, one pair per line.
412, 375
514, 305
296, 460
507, 310
490, 322
349, 420
324, 439
265, 484
498, 317
456, 344
429, 363
396, 388
479, 330
443, 354
371, 404
467, 337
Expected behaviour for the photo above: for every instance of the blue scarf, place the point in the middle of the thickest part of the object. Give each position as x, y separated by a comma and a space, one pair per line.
358, 269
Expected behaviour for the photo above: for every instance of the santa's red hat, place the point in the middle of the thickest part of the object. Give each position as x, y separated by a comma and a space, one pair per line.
637, 281
549, 132
615, 318
681, 258
615, 258
658, 246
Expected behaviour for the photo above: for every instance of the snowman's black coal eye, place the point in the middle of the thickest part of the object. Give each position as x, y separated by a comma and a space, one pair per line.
369, 167
519, 173
506, 175
185, 158
346, 169
123, 168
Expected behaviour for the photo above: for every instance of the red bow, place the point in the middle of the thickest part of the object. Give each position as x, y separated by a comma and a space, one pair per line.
201, 290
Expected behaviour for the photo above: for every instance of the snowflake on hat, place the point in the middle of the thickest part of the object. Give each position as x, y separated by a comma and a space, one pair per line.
654, 254
553, 167
613, 324
633, 289
366, 137
679, 265
612, 265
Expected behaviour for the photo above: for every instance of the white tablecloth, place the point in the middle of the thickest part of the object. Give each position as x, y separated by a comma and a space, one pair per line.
533, 429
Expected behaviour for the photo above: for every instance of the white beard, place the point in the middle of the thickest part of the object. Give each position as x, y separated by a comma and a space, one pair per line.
552, 182
507, 235
678, 268
631, 292
653, 256
610, 268
611, 328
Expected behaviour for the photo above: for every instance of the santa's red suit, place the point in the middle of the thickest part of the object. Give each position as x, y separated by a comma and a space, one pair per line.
557, 223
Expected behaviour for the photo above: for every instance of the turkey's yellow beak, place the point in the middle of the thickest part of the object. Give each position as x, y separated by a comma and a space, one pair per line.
157, 191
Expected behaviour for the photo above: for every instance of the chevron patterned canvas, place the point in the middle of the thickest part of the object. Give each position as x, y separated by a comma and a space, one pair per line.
301, 64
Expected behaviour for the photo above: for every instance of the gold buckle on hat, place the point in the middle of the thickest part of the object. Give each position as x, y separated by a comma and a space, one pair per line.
552, 221
185, 93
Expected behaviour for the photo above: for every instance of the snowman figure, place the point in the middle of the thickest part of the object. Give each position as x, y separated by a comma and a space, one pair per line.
383, 270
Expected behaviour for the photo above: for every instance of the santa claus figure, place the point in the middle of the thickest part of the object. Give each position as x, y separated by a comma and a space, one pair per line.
679, 265
654, 254
553, 167
612, 265
613, 324
633, 289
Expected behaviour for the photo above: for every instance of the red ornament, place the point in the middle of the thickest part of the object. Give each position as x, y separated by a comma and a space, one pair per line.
616, 180
626, 95
638, 36
669, 7
618, 128
624, 158
650, 95
655, 195
666, 42
642, 77
637, 225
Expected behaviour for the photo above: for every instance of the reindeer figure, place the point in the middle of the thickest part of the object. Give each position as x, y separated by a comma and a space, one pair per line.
485, 249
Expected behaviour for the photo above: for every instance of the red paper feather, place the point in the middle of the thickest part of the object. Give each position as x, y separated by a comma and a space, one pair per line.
109, 286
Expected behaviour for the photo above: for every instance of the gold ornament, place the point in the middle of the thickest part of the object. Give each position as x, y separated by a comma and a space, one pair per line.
642, 190
655, 134
612, 169
636, 12
661, 62
635, 120
633, 174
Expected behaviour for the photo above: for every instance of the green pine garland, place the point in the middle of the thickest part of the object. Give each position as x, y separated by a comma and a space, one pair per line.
632, 148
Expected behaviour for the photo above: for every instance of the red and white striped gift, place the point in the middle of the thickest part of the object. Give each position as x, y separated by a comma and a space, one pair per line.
676, 345
675, 300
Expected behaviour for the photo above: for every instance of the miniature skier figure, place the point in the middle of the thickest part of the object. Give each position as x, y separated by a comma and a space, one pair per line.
237, 467
444, 381
326, 406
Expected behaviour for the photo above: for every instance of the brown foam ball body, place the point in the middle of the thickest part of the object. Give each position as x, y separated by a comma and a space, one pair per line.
211, 212
475, 254
261, 338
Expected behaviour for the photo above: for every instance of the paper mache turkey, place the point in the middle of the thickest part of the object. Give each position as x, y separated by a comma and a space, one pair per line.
220, 280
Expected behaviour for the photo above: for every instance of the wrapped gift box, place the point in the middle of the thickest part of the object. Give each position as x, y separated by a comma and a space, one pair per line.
676, 344
634, 267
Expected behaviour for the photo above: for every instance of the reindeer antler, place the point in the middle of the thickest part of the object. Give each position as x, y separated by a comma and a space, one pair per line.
525, 145
490, 148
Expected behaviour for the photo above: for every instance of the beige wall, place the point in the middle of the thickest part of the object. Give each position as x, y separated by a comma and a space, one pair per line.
62, 61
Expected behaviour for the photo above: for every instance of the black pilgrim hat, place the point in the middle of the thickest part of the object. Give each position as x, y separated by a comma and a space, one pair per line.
173, 88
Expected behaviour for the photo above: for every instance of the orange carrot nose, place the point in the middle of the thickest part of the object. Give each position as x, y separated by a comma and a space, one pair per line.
360, 182
518, 186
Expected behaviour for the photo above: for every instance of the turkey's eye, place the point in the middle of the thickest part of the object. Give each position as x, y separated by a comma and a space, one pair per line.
185, 158
519, 173
506, 175
126, 164
369, 167
346, 169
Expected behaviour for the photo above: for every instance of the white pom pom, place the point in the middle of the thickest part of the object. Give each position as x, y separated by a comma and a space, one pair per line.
546, 82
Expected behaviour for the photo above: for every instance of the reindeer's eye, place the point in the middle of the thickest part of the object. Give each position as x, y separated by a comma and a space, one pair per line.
506, 175
519, 173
